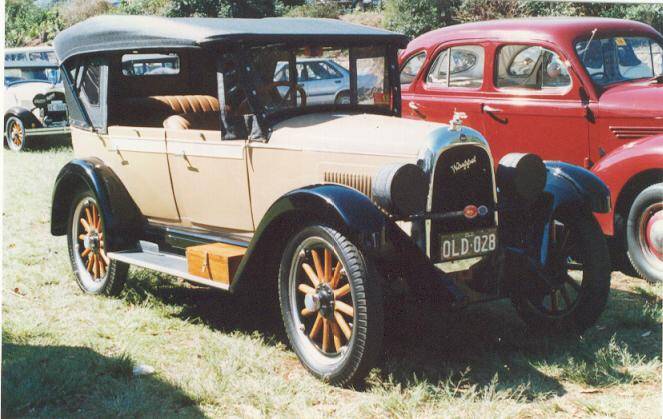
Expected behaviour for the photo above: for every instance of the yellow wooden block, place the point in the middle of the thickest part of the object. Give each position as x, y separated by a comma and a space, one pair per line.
215, 261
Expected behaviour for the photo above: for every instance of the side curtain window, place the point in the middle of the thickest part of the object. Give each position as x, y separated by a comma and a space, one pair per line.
465, 69
90, 79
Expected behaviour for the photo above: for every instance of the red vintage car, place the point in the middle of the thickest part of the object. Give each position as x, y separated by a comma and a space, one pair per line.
587, 91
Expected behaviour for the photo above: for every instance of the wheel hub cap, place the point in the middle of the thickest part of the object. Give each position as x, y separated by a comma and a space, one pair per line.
654, 233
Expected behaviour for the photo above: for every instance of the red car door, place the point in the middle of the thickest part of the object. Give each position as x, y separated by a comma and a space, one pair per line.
444, 86
533, 104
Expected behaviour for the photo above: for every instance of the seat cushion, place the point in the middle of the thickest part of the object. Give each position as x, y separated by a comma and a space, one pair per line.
200, 121
152, 110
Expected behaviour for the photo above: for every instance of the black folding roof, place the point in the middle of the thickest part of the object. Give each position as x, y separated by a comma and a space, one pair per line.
116, 32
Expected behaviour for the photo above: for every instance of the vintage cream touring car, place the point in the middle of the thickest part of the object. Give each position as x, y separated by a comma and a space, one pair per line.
212, 171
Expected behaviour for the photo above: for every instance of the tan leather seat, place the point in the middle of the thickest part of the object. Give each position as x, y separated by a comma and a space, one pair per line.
201, 121
152, 110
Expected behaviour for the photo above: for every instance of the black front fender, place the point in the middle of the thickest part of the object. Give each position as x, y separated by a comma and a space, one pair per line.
357, 217
573, 185
28, 118
120, 214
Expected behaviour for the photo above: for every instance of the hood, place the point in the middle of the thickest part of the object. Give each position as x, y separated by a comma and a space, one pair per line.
21, 94
638, 99
357, 134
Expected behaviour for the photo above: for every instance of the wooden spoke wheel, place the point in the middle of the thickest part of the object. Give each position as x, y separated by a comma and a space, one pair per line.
15, 134
95, 271
571, 291
331, 302
324, 303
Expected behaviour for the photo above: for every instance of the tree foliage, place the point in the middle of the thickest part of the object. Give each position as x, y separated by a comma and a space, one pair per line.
26, 23
413, 17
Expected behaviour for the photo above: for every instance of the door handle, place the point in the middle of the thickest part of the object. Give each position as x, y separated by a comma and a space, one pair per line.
488, 108
337, 81
416, 109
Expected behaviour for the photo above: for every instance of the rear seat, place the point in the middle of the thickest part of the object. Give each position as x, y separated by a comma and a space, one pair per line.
151, 111
202, 121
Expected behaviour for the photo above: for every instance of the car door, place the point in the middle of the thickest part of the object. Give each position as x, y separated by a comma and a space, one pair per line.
320, 81
446, 86
210, 179
136, 154
533, 105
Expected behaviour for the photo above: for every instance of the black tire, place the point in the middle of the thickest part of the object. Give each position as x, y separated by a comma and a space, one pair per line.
15, 137
353, 356
578, 236
107, 277
342, 98
644, 244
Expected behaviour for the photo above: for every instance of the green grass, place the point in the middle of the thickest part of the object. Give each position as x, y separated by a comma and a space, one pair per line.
69, 354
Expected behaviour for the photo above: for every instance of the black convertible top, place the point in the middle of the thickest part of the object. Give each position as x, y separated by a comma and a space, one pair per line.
116, 32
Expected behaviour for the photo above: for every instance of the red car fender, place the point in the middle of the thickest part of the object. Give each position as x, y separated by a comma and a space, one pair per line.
625, 164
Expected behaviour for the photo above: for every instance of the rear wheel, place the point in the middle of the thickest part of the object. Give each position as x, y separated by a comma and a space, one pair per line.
15, 137
644, 233
87, 239
573, 288
343, 98
331, 304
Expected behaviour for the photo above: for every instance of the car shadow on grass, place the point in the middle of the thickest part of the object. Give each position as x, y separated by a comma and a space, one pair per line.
64, 381
485, 346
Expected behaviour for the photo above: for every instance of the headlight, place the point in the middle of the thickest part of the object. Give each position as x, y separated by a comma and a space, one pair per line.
401, 189
521, 175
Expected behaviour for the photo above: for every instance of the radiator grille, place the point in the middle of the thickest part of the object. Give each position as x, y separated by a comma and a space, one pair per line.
362, 183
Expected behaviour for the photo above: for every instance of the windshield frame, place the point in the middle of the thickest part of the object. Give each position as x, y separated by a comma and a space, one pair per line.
267, 120
611, 36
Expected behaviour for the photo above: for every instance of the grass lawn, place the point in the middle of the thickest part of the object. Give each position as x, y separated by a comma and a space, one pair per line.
68, 354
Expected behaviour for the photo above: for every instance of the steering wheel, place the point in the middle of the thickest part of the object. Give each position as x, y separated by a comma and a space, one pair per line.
273, 87
272, 90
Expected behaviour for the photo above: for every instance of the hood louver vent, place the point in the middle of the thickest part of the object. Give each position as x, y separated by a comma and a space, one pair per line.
634, 133
362, 183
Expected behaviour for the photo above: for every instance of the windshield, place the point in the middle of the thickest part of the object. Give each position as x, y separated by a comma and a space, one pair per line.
617, 59
47, 74
321, 77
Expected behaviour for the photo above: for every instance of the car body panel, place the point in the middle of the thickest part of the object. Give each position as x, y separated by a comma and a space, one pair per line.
625, 163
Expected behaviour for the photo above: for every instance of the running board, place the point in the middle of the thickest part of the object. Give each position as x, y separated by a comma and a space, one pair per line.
148, 256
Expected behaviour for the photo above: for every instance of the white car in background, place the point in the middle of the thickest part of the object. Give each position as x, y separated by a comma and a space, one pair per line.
34, 103
40, 54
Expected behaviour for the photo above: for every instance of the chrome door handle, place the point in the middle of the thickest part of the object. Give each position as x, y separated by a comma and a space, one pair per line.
413, 105
488, 108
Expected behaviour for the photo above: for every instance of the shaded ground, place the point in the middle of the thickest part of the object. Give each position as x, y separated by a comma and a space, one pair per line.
68, 354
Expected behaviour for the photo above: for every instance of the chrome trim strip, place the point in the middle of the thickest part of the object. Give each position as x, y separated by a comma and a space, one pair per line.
36, 132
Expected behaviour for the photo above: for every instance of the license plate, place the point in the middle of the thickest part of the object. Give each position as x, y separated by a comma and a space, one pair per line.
467, 244
58, 106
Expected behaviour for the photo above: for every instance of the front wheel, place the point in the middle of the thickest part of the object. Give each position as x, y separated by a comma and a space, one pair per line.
87, 238
331, 304
15, 137
644, 233
571, 291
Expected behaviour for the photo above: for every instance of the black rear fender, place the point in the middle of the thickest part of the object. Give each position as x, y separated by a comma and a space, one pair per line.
121, 215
